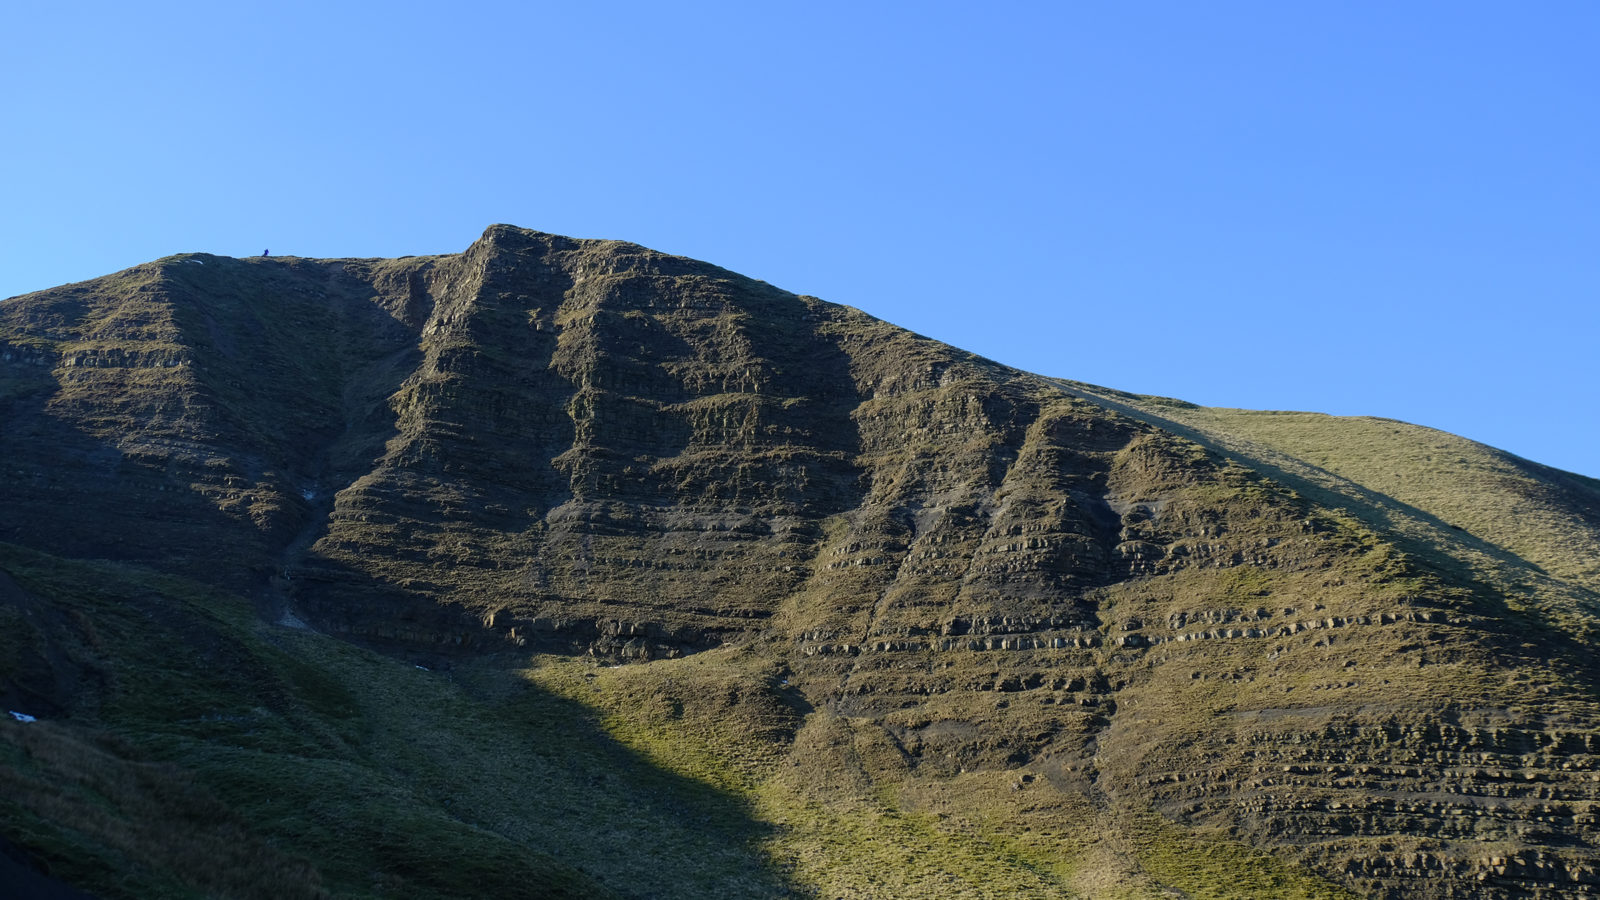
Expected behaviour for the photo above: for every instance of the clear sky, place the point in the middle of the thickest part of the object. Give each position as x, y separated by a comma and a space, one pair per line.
1369, 208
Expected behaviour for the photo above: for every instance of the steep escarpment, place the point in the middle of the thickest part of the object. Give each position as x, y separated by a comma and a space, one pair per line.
946, 628
193, 396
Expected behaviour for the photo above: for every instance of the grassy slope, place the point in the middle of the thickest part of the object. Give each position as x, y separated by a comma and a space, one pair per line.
1526, 533
282, 763
279, 763
848, 820
1547, 517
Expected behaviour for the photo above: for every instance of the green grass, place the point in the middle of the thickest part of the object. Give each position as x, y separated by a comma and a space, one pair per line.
284, 763
1524, 533
845, 822
1212, 866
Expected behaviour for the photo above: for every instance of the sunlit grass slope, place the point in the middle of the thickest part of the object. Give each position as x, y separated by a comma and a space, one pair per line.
1526, 532
201, 752
845, 816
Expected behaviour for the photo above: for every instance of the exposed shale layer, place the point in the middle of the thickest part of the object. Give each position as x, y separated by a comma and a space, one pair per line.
1098, 641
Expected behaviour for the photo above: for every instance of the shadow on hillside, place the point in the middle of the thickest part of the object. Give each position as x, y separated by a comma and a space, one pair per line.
24, 880
293, 748
196, 462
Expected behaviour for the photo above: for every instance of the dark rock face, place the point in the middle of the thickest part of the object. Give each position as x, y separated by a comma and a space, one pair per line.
582, 446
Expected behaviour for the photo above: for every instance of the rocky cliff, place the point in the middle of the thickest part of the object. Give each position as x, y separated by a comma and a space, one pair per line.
1013, 635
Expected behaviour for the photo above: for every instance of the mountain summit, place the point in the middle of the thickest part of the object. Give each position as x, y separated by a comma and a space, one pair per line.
565, 567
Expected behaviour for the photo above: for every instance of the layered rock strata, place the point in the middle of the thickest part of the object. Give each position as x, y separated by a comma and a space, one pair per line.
546, 444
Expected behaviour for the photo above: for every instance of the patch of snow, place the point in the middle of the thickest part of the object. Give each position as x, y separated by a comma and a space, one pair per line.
309, 494
195, 261
425, 668
290, 620
24, 718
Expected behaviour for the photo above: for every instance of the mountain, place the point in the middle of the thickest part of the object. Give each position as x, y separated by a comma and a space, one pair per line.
567, 568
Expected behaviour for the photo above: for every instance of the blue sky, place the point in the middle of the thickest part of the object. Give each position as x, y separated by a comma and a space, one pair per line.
1357, 208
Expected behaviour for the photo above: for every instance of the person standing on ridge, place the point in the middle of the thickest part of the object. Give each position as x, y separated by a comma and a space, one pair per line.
267, 252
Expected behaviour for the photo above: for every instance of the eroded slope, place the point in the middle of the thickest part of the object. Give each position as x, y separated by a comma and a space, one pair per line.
949, 628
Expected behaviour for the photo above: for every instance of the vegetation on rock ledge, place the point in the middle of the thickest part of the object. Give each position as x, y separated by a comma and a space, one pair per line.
566, 568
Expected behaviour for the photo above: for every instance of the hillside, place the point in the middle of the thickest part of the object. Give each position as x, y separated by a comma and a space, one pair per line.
567, 568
